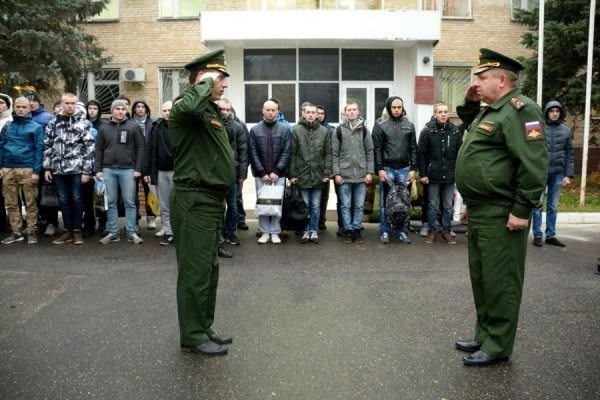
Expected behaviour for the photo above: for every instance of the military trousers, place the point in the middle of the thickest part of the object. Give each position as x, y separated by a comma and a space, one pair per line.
196, 223
497, 268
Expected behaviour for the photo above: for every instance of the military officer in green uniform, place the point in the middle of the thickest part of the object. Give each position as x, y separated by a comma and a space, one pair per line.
500, 173
203, 173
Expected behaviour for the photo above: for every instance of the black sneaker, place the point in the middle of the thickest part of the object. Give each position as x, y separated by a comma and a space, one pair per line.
555, 242
537, 241
166, 240
242, 225
348, 236
358, 236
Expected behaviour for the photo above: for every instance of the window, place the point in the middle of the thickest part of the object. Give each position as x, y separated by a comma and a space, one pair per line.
324, 94
319, 64
111, 11
270, 64
367, 65
181, 8
528, 5
450, 8
257, 94
102, 87
451, 84
359, 5
172, 82
272, 5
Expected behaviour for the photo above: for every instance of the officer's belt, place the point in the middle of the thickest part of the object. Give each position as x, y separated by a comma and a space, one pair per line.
200, 189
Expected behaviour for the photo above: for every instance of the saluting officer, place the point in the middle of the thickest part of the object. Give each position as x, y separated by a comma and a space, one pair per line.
501, 172
202, 174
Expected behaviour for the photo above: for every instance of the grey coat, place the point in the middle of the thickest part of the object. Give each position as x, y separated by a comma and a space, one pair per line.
353, 157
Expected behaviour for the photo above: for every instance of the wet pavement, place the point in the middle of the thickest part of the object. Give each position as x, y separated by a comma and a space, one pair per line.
327, 321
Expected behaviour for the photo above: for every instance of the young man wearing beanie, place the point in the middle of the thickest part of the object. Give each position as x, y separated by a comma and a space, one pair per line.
395, 150
48, 216
118, 159
5, 109
5, 117
501, 172
203, 173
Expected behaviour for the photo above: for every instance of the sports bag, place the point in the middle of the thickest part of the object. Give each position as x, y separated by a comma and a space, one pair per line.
295, 210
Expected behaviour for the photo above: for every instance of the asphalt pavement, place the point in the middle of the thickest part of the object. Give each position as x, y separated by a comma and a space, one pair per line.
326, 321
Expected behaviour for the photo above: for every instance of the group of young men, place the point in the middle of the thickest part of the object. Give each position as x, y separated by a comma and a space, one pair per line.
75, 146
77, 152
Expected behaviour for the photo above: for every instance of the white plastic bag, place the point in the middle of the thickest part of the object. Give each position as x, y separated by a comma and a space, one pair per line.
269, 200
459, 207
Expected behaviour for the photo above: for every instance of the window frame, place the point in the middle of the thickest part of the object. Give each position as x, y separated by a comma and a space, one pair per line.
513, 7
460, 92
99, 18
179, 74
175, 9
91, 82
443, 2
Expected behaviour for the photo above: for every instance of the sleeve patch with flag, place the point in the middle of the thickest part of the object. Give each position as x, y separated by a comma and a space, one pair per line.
533, 131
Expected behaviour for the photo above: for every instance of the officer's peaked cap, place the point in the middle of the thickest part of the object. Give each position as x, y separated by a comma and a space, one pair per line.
489, 59
213, 60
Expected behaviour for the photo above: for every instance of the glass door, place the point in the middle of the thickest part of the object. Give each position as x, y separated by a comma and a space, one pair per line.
370, 97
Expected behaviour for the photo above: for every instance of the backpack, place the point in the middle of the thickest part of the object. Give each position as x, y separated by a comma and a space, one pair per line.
397, 204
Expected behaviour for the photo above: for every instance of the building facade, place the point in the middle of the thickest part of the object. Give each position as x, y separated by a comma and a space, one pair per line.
323, 51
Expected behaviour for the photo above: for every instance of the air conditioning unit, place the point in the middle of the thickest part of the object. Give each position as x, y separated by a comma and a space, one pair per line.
133, 75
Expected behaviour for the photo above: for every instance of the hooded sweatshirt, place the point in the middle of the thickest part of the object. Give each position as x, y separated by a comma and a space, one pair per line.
559, 141
145, 123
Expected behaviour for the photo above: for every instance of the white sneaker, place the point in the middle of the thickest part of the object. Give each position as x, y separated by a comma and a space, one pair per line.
264, 238
135, 239
424, 230
151, 223
275, 239
160, 233
50, 230
452, 233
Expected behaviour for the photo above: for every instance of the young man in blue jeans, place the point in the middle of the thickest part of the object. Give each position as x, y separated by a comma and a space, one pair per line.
439, 143
118, 156
395, 148
352, 149
559, 141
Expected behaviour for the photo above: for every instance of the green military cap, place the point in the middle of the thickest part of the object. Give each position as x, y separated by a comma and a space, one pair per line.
489, 59
213, 60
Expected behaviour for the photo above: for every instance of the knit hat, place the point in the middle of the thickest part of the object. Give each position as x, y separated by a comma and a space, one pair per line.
81, 108
117, 103
33, 96
6, 99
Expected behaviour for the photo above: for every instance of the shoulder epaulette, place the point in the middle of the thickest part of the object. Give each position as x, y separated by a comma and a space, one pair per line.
517, 103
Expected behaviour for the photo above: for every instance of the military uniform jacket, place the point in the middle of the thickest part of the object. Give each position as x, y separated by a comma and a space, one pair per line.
503, 159
202, 155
